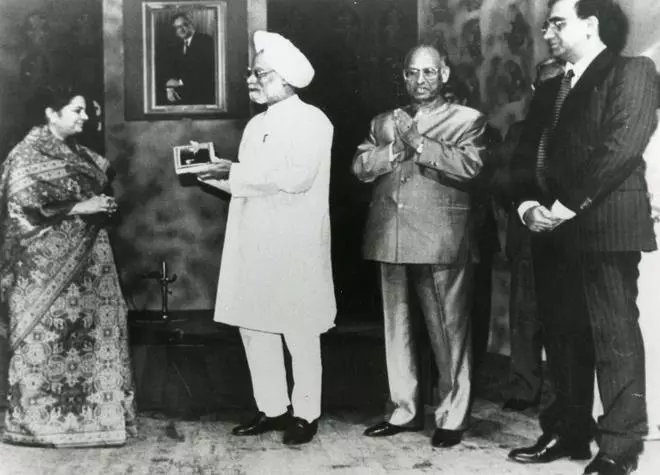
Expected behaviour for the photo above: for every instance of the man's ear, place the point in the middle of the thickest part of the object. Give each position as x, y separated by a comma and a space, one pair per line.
444, 73
592, 21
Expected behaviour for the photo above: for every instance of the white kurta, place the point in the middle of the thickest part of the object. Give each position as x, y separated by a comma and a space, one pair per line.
276, 273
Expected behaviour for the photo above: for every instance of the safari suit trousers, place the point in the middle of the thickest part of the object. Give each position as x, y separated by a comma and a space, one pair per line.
444, 296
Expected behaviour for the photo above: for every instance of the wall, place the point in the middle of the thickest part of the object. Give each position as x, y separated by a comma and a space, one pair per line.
161, 218
644, 39
493, 45
41, 40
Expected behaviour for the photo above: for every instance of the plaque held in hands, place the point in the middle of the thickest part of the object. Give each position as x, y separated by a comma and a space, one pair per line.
192, 158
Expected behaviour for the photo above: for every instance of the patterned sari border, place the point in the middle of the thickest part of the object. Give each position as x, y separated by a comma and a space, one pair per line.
63, 440
47, 296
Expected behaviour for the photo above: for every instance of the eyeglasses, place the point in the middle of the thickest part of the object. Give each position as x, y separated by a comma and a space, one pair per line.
427, 73
554, 24
257, 73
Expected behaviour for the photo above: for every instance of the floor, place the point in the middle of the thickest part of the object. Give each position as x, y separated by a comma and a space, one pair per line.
204, 447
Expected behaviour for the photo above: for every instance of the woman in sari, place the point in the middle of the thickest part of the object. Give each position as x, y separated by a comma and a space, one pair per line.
70, 382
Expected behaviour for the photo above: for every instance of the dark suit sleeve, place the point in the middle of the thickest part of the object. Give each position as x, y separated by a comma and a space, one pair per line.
522, 167
628, 123
501, 179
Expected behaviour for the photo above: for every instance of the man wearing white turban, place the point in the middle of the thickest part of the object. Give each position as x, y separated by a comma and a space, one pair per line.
276, 278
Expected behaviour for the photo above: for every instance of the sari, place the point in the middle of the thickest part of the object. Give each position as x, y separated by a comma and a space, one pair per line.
70, 381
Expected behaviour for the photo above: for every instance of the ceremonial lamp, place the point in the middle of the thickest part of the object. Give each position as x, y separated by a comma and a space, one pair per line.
165, 281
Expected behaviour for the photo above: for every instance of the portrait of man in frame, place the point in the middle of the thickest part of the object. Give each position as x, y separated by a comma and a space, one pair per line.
189, 159
184, 56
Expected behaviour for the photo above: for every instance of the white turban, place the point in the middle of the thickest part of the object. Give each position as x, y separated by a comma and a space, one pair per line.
284, 58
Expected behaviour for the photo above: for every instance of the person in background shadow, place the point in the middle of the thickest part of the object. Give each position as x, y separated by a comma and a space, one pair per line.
275, 280
191, 72
585, 201
488, 245
421, 160
70, 379
525, 380
485, 229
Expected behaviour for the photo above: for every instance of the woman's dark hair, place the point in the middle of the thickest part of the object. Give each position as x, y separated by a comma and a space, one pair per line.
55, 96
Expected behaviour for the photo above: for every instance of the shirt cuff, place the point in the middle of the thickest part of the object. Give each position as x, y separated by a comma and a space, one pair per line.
561, 211
223, 185
526, 206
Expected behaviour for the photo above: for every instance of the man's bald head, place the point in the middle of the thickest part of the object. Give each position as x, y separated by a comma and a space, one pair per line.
431, 52
425, 71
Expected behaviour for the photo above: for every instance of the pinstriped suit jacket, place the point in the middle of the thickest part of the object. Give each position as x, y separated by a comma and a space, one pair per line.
594, 163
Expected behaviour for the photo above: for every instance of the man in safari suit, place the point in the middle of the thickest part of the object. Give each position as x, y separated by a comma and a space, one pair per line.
421, 159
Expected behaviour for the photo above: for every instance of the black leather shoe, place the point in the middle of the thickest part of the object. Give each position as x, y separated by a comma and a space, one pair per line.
549, 448
514, 404
262, 423
602, 464
385, 429
443, 438
299, 431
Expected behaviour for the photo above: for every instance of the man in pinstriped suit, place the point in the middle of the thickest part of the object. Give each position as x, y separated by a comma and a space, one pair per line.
584, 196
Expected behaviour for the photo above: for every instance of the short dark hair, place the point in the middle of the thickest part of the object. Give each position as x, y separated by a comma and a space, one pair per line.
55, 96
613, 26
183, 15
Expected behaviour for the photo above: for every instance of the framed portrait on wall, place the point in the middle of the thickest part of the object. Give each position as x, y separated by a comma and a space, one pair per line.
184, 58
184, 61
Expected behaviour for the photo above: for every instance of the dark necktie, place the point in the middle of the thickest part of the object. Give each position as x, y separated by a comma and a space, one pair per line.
548, 131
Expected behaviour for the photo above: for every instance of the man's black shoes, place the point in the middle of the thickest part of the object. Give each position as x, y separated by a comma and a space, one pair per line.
262, 423
299, 431
603, 464
385, 429
443, 438
549, 448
